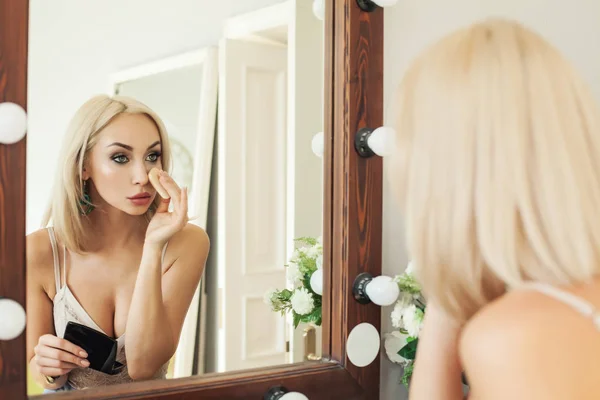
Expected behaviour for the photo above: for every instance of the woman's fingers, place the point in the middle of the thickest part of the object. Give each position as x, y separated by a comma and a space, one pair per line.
59, 343
171, 187
182, 213
163, 206
60, 355
51, 371
46, 362
178, 197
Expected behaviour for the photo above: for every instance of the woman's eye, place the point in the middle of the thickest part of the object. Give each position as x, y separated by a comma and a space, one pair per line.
120, 159
153, 157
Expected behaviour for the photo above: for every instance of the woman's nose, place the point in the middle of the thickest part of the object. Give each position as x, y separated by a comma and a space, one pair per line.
140, 176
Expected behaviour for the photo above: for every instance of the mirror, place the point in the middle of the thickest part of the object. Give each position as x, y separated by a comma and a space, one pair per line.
236, 97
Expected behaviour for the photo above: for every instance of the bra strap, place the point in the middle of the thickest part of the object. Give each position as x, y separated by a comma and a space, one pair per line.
577, 303
55, 256
164, 251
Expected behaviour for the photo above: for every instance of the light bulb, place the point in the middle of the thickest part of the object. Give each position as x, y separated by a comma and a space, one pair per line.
293, 396
13, 123
319, 9
385, 3
13, 319
363, 344
382, 291
382, 141
316, 282
318, 144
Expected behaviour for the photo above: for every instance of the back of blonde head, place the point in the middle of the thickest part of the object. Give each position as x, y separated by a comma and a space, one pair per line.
64, 210
498, 166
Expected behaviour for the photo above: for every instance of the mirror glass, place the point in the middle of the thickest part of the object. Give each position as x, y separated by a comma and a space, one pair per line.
226, 99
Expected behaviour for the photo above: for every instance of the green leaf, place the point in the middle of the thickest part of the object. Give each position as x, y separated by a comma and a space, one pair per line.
306, 240
285, 294
407, 374
297, 319
409, 351
314, 316
306, 265
408, 284
306, 283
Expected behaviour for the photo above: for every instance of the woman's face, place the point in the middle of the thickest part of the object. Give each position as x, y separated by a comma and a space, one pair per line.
118, 164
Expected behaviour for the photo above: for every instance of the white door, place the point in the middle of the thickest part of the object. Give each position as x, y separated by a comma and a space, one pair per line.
252, 244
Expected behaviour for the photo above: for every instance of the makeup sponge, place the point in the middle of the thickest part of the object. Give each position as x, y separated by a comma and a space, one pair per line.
153, 176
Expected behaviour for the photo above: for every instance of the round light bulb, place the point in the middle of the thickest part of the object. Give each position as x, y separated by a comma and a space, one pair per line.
13, 319
383, 291
319, 9
385, 3
382, 141
13, 123
293, 396
318, 144
363, 344
316, 282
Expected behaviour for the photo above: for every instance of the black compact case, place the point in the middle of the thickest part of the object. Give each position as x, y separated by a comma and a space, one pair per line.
101, 349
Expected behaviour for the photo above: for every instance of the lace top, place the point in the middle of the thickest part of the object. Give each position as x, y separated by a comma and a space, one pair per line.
67, 308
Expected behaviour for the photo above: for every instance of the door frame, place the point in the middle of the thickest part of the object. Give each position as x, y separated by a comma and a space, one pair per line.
352, 215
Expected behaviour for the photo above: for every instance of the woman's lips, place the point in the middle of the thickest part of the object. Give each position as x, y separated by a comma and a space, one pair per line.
141, 199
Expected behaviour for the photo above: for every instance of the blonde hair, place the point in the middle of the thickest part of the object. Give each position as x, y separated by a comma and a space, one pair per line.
498, 166
64, 211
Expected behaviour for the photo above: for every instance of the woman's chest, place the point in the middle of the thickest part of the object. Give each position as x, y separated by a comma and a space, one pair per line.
102, 291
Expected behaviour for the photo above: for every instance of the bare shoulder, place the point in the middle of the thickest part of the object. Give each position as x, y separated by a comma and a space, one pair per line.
192, 236
40, 259
190, 245
526, 345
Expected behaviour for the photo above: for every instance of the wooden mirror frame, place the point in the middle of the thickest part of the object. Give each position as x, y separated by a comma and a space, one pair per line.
352, 215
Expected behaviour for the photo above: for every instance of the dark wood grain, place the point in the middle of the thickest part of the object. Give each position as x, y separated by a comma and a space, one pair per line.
356, 182
316, 381
351, 232
327, 178
13, 88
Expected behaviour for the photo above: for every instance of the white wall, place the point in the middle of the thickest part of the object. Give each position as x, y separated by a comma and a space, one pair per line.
75, 45
413, 24
175, 97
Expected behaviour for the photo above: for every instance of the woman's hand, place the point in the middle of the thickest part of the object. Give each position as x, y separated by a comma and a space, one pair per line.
55, 356
165, 224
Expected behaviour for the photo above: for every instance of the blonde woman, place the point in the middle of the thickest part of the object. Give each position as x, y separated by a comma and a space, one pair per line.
113, 257
498, 173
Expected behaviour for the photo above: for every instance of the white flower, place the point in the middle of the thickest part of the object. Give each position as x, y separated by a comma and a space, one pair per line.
302, 301
403, 301
297, 253
397, 316
319, 261
268, 297
294, 276
393, 343
314, 251
412, 319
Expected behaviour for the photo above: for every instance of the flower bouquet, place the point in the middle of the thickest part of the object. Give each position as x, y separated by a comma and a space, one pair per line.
305, 276
407, 317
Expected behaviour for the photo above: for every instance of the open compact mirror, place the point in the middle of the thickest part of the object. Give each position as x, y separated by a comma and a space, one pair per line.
229, 272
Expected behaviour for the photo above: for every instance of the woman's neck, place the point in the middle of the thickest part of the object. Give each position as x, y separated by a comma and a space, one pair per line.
113, 229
